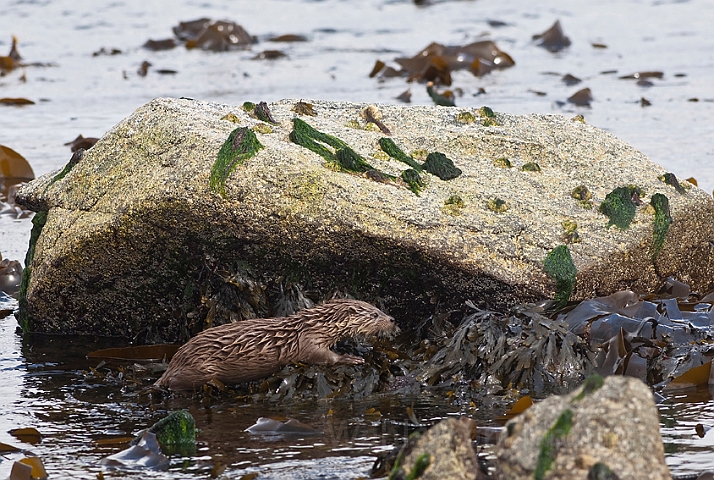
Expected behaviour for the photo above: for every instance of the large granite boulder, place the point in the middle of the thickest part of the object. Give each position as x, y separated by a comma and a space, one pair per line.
176, 219
603, 428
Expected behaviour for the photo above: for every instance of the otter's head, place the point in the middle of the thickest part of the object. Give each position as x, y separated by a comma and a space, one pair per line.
354, 318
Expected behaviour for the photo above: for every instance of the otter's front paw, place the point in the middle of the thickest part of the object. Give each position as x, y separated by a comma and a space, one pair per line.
351, 360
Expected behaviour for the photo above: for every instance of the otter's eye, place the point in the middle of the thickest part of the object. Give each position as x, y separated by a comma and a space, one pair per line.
375, 315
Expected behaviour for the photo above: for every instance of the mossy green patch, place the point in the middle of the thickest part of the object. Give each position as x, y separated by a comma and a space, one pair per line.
248, 107
74, 160
502, 162
419, 154
619, 207
559, 266
591, 384
453, 205
497, 205
579, 118
530, 167
231, 117
571, 234
465, 117
489, 117
176, 433
38, 223
662, 221
241, 145
600, 471
413, 180
549, 444
391, 149
442, 166
263, 128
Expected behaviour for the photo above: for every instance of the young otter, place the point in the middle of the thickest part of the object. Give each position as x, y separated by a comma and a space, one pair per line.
256, 348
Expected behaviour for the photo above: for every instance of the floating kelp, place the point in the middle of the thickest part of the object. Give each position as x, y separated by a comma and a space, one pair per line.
570, 80
289, 37
28, 435
218, 36
15, 101
405, 96
143, 69
270, 55
82, 142
159, 45
13, 165
581, 98
553, 39
28, 468
641, 75
13, 58
107, 52
436, 62
10, 274
288, 428
145, 454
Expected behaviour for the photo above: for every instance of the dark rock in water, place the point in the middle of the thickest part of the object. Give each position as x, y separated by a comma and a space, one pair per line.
612, 424
134, 241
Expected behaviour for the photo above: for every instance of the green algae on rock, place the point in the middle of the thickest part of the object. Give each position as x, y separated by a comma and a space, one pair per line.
231, 117
442, 166
530, 167
262, 113
413, 180
592, 383
549, 444
241, 145
662, 221
571, 234
176, 433
465, 117
489, 117
74, 160
502, 162
497, 205
453, 205
559, 266
619, 207
351, 161
38, 223
391, 149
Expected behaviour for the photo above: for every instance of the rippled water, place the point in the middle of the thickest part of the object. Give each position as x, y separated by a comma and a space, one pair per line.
42, 383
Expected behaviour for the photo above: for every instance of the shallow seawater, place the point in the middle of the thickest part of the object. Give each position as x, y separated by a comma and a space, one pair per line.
43, 384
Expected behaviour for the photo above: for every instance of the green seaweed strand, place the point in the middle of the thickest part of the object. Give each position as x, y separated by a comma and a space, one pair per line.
619, 207
350, 160
303, 128
241, 145
299, 137
559, 266
548, 446
590, 385
38, 223
391, 149
413, 180
662, 221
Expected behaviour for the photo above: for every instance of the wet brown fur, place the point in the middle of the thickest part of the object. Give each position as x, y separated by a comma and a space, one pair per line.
256, 348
